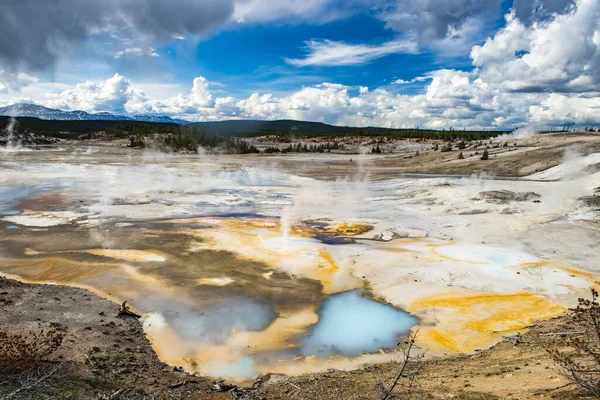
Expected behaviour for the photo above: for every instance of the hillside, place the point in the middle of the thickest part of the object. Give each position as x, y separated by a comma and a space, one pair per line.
250, 128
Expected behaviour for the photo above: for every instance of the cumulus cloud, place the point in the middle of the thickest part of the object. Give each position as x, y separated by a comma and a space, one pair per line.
110, 95
561, 55
193, 102
451, 99
330, 53
41, 30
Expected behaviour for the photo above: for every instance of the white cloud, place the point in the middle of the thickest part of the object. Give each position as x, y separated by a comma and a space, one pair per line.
137, 51
110, 95
14, 82
253, 11
330, 53
197, 99
561, 55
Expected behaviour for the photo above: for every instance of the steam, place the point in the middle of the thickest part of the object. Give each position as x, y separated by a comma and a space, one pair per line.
13, 143
526, 132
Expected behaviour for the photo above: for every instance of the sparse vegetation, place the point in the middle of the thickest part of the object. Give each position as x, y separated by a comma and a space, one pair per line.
581, 364
410, 368
376, 150
447, 148
19, 352
24, 363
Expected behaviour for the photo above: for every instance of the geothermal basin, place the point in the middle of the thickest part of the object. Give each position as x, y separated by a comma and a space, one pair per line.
247, 265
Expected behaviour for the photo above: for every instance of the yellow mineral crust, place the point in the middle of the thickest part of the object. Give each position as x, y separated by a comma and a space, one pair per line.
349, 229
466, 321
297, 255
129, 255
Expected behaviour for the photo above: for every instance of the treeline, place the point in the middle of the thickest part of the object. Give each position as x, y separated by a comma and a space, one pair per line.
305, 148
191, 143
285, 130
447, 135
81, 129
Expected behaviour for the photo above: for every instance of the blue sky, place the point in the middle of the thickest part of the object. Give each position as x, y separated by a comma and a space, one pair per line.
245, 58
436, 63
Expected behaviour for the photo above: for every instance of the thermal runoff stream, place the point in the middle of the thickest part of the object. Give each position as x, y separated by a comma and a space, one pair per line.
245, 265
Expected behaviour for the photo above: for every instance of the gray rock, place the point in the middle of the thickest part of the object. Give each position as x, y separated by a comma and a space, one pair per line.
473, 212
591, 201
505, 196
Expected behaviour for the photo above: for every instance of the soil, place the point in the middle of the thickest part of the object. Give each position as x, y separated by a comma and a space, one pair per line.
104, 353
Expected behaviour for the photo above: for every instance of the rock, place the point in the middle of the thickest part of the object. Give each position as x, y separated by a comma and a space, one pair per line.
473, 212
591, 201
401, 233
505, 196
24, 139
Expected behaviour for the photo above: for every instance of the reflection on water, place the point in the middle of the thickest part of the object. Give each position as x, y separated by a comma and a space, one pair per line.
352, 324
10, 196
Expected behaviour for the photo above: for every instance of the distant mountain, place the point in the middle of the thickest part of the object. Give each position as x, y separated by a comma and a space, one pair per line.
159, 119
36, 111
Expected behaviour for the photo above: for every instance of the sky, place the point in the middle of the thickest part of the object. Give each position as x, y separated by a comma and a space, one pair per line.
462, 64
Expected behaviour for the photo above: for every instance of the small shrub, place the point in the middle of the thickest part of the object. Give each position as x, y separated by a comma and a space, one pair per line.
461, 156
447, 148
485, 155
20, 352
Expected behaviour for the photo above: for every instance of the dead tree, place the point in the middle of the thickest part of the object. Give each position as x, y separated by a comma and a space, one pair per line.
410, 367
126, 311
580, 364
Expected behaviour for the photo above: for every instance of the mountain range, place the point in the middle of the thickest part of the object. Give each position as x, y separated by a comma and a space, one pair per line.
41, 112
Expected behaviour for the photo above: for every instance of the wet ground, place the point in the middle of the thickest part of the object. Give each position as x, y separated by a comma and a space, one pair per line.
244, 266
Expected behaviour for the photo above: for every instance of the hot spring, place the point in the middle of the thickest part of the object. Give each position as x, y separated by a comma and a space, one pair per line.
242, 268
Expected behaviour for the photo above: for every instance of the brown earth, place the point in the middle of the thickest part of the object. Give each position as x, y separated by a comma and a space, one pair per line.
103, 353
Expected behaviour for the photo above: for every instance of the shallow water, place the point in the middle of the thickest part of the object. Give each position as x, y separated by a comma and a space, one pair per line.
351, 324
